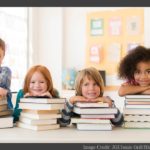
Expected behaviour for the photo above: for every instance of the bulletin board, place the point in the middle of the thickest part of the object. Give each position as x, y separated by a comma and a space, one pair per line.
111, 35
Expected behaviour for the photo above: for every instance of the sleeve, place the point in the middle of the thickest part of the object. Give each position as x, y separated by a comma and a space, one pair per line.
6, 75
66, 115
119, 119
17, 111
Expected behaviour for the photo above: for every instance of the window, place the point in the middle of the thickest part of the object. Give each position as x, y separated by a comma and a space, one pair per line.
14, 31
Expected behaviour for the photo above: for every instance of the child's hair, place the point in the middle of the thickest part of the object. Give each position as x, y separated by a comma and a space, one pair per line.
90, 73
2, 45
45, 72
128, 64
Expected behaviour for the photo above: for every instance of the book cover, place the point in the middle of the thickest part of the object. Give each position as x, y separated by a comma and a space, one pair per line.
38, 128
42, 100
137, 102
95, 110
137, 118
3, 107
37, 121
37, 106
40, 111
40, 116
102, 116
6, 112
137, 96
83, 120
135, 111
3, 102
137, 124
137, 106
95, 127
6, 122
84, 104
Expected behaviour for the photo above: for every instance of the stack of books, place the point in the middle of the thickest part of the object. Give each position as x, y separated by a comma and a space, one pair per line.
93, 116
6, 119
137, 111
40, 113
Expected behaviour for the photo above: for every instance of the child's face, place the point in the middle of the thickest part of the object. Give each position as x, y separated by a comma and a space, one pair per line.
90, 89
38, 84
142, 74
1, 55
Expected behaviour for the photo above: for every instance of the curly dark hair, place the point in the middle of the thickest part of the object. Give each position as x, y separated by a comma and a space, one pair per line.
128, 64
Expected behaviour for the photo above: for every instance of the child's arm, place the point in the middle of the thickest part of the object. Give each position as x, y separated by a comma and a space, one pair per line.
146, 92
17, 111
66, 115
75, 99
132, 89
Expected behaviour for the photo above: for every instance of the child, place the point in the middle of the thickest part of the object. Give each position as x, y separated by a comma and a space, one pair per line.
135, 68
38, 82
5, 77
89, 88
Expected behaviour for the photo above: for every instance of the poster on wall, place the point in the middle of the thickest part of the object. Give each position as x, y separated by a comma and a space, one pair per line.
133, 25
115, 26
97, 27
95, 54
114, 52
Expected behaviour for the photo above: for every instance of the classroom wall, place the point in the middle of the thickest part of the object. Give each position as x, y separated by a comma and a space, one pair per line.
58, 38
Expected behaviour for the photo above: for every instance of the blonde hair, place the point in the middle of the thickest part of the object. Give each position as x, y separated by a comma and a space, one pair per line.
90, 73
2, 45
45, 72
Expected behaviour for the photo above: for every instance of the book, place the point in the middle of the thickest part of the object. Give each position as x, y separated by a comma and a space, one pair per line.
3, 107
37, 106
137, 99
37, 121
137, 124
40, 116
137, 96
98, 116
95, 110
137, 103
3, 102
6, 122
6, 112
82, 120
43, 100
40, 111
135, 111
2, 97
136, 118
85, 104
38, 128
137, 106
96, 127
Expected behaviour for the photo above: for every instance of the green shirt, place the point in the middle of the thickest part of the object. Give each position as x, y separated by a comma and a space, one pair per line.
17, 111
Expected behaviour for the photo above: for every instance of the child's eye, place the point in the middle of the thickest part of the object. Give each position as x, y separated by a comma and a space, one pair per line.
42, 82
148, 71
85, 84
32, 82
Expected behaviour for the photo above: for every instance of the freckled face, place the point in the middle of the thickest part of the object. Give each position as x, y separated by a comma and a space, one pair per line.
38, 84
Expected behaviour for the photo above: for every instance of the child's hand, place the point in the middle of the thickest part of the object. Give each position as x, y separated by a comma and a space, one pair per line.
3, 92
75, 99
27, 95
103, 99
47, 94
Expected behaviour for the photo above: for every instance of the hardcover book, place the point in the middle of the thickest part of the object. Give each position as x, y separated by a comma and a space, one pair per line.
95, 110
40, 106
38, 128
42, 100
37, 121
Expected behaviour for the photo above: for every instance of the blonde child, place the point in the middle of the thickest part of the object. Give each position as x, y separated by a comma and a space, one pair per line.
89, 87
38, 82
135, 68
5, 77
